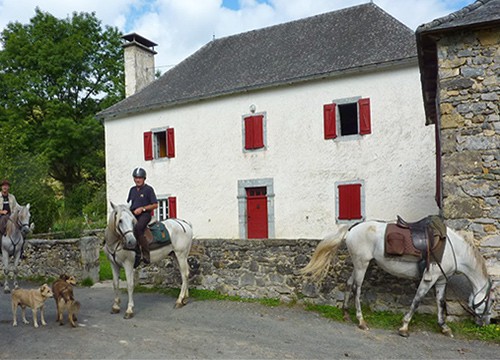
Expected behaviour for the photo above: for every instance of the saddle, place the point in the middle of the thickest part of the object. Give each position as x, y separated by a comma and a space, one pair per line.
421, 239
157, 235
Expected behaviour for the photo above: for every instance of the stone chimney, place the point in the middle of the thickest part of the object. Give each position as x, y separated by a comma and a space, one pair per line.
139, 63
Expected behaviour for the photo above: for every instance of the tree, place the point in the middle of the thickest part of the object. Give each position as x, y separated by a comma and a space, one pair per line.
56, 75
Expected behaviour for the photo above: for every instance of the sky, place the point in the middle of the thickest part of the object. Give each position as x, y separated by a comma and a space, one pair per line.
180, 27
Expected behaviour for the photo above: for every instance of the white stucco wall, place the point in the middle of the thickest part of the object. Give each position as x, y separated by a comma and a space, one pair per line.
396, 161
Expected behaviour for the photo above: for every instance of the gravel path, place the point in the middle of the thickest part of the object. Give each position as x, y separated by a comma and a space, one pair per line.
213, 330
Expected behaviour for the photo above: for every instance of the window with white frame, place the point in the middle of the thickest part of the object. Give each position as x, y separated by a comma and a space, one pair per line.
167, 208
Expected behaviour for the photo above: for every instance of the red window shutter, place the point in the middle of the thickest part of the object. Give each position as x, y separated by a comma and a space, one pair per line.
329, 122
148, 145
170, 143
249, 132
172, 207
349, 201
364, 116
258, 132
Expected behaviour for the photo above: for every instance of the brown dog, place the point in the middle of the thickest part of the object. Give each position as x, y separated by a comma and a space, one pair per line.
33, 298
63, 295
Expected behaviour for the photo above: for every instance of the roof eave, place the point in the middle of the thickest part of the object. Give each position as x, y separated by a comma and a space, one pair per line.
337, 73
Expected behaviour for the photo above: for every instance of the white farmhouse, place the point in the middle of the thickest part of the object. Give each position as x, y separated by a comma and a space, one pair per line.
282, 132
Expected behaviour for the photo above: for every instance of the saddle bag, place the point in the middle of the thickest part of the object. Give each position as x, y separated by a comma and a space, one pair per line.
159, 232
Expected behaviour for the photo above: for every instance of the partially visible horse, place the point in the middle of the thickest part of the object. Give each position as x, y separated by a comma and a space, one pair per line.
365, 241
119, 248
18, 226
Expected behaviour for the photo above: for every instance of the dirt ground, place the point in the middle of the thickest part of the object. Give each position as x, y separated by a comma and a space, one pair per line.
212, 330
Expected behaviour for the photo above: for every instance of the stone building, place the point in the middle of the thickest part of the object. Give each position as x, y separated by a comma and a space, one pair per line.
459, 59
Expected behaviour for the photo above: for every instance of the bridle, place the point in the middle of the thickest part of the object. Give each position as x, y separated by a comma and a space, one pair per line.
486, 299
121, 234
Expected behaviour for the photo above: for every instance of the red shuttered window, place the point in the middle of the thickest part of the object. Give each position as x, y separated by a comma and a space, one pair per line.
254, 132
347, 117
159, 144
349, 202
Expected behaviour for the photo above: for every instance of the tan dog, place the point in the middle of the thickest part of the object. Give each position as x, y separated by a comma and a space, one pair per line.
33, 298
72, 307
63, 295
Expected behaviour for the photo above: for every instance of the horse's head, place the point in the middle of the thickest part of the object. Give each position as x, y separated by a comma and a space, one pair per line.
21, 217
122, 221
482, 304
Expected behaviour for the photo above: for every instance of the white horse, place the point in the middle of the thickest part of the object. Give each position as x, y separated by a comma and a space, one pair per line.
18, 226
365, 241
120, 239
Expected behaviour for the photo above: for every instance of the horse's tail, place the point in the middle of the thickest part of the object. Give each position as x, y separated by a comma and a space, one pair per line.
318, 266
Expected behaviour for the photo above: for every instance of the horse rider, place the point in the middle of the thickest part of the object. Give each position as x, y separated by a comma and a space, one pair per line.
143, 202
8, 204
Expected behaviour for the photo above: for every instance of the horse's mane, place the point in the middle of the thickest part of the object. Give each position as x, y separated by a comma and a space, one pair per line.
474, 251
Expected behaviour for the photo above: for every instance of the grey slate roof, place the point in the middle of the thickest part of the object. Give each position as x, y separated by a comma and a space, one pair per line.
351, 39
482, 13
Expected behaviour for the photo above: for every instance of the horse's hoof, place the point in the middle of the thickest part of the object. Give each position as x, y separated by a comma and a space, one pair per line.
363, 327
6, 291
447, 332
347, 318
185, 301
128, 315
178, 305
115, 311
403, 333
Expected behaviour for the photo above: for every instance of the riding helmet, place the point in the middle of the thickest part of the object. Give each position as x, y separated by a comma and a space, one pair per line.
139, 172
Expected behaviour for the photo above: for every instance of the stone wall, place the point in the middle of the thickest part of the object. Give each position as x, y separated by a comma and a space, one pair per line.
50, 258
469, 91
269, 268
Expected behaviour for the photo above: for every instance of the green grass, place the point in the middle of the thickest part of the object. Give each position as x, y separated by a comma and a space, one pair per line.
105, 272
387, 320
200, 294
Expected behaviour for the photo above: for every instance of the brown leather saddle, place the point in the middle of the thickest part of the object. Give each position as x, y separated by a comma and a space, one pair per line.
424, 239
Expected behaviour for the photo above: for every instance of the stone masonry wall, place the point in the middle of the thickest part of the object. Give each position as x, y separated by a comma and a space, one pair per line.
50, 258
469, 91
269, 268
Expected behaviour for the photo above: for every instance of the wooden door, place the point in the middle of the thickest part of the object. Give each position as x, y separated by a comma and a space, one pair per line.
257, 227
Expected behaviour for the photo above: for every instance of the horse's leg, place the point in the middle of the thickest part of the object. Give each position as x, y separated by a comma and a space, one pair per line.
17, 258
360, 266
129, 274
423, 288
184, 270
5, 260
347, 295
115, 269
441, 306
